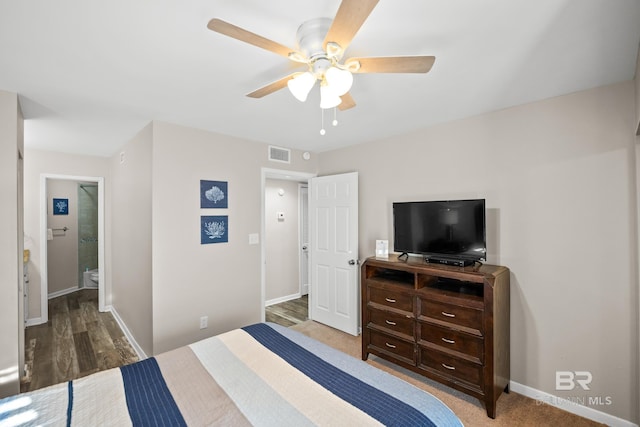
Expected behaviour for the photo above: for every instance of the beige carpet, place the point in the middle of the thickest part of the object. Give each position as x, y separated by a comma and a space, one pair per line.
512, 409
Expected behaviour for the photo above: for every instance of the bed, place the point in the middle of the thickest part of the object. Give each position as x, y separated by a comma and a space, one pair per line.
263, 374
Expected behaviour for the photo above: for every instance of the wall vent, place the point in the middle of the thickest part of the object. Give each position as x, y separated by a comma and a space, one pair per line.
278, 154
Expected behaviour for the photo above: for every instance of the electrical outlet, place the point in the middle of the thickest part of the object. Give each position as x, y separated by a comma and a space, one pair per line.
203, 322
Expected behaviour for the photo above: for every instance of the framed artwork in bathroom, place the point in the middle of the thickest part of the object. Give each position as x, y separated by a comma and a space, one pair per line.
61, 206
214, 229
214, 194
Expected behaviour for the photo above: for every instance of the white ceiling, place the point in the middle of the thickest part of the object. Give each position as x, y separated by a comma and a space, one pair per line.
90, 74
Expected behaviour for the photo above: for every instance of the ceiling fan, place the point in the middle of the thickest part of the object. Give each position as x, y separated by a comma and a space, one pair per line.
321, 46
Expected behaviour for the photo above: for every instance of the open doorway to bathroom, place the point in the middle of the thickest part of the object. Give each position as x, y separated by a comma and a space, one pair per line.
72, 237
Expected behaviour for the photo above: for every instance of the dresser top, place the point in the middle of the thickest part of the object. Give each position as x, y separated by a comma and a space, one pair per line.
413, 263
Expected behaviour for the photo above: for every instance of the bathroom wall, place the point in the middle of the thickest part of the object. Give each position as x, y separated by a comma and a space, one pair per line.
62, 249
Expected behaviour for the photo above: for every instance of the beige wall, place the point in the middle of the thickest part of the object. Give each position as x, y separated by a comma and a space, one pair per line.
11, 328
637, 90
62, 250
637, 107
281, 239
559, 180
190, 280
131, 218
36, 164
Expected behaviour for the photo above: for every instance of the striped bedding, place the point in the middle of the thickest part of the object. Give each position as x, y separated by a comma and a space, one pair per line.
263, 375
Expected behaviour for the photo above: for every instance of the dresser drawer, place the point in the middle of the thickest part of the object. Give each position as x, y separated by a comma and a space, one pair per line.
450, 366
393, 346
391, 298
469, 345
395, 322
466, 317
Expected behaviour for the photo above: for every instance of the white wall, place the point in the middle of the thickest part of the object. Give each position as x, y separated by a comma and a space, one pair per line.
132, 294
281, 239
559, 179
190, 280
11, 229
637, 91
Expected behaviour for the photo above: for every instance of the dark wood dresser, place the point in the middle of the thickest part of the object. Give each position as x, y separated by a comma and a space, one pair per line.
450, 324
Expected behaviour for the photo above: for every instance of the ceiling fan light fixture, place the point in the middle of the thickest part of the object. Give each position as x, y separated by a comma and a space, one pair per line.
328, 97
338, 80
301, 85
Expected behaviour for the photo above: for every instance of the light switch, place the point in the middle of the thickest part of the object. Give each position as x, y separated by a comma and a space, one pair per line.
254, 239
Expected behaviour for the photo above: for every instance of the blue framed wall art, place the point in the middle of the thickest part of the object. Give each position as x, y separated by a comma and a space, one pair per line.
61, 206
214, 194
214, 229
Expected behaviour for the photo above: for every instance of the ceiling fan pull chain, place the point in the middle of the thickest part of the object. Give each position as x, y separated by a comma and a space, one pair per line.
322, 131
335, 117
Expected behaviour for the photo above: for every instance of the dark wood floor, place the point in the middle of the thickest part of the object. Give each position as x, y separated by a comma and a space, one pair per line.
77, 341
289, 313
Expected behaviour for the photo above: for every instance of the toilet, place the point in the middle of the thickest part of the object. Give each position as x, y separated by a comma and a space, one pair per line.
91, 278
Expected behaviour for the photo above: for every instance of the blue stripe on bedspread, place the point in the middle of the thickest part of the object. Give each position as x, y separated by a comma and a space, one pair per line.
149, 400
70, 402
378, 404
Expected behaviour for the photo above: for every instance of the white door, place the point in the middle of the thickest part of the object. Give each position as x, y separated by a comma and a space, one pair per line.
333, 216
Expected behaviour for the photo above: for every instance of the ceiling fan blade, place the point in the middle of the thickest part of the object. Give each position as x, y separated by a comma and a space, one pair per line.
393, 64
222, 27
349, 18
347, 102
271, 87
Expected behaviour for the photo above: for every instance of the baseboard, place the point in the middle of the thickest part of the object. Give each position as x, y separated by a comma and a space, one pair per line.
62, 292
576, 408
34, 321
141, 354
282, 299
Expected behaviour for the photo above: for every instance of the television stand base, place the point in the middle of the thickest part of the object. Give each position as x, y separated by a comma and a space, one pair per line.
449, 261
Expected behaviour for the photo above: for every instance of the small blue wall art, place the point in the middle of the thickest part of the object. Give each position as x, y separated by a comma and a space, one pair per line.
214, 229
61, 206
214, 194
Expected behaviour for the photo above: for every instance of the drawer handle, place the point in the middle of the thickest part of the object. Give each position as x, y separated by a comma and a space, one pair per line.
448, 341
451, 368
444, 313
390, 300
389, 322
390, 345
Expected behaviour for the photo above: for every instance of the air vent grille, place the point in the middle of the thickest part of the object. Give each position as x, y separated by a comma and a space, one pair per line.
278, 154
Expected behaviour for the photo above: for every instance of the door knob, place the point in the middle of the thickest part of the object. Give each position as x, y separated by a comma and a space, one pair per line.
304, 248
353, 262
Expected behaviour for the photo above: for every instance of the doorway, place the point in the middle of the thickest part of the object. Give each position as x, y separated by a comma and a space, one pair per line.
284, 251
48, 233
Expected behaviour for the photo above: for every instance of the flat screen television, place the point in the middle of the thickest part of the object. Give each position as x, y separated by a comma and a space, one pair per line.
448, 232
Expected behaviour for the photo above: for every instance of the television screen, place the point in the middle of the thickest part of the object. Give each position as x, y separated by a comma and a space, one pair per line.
453, 229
